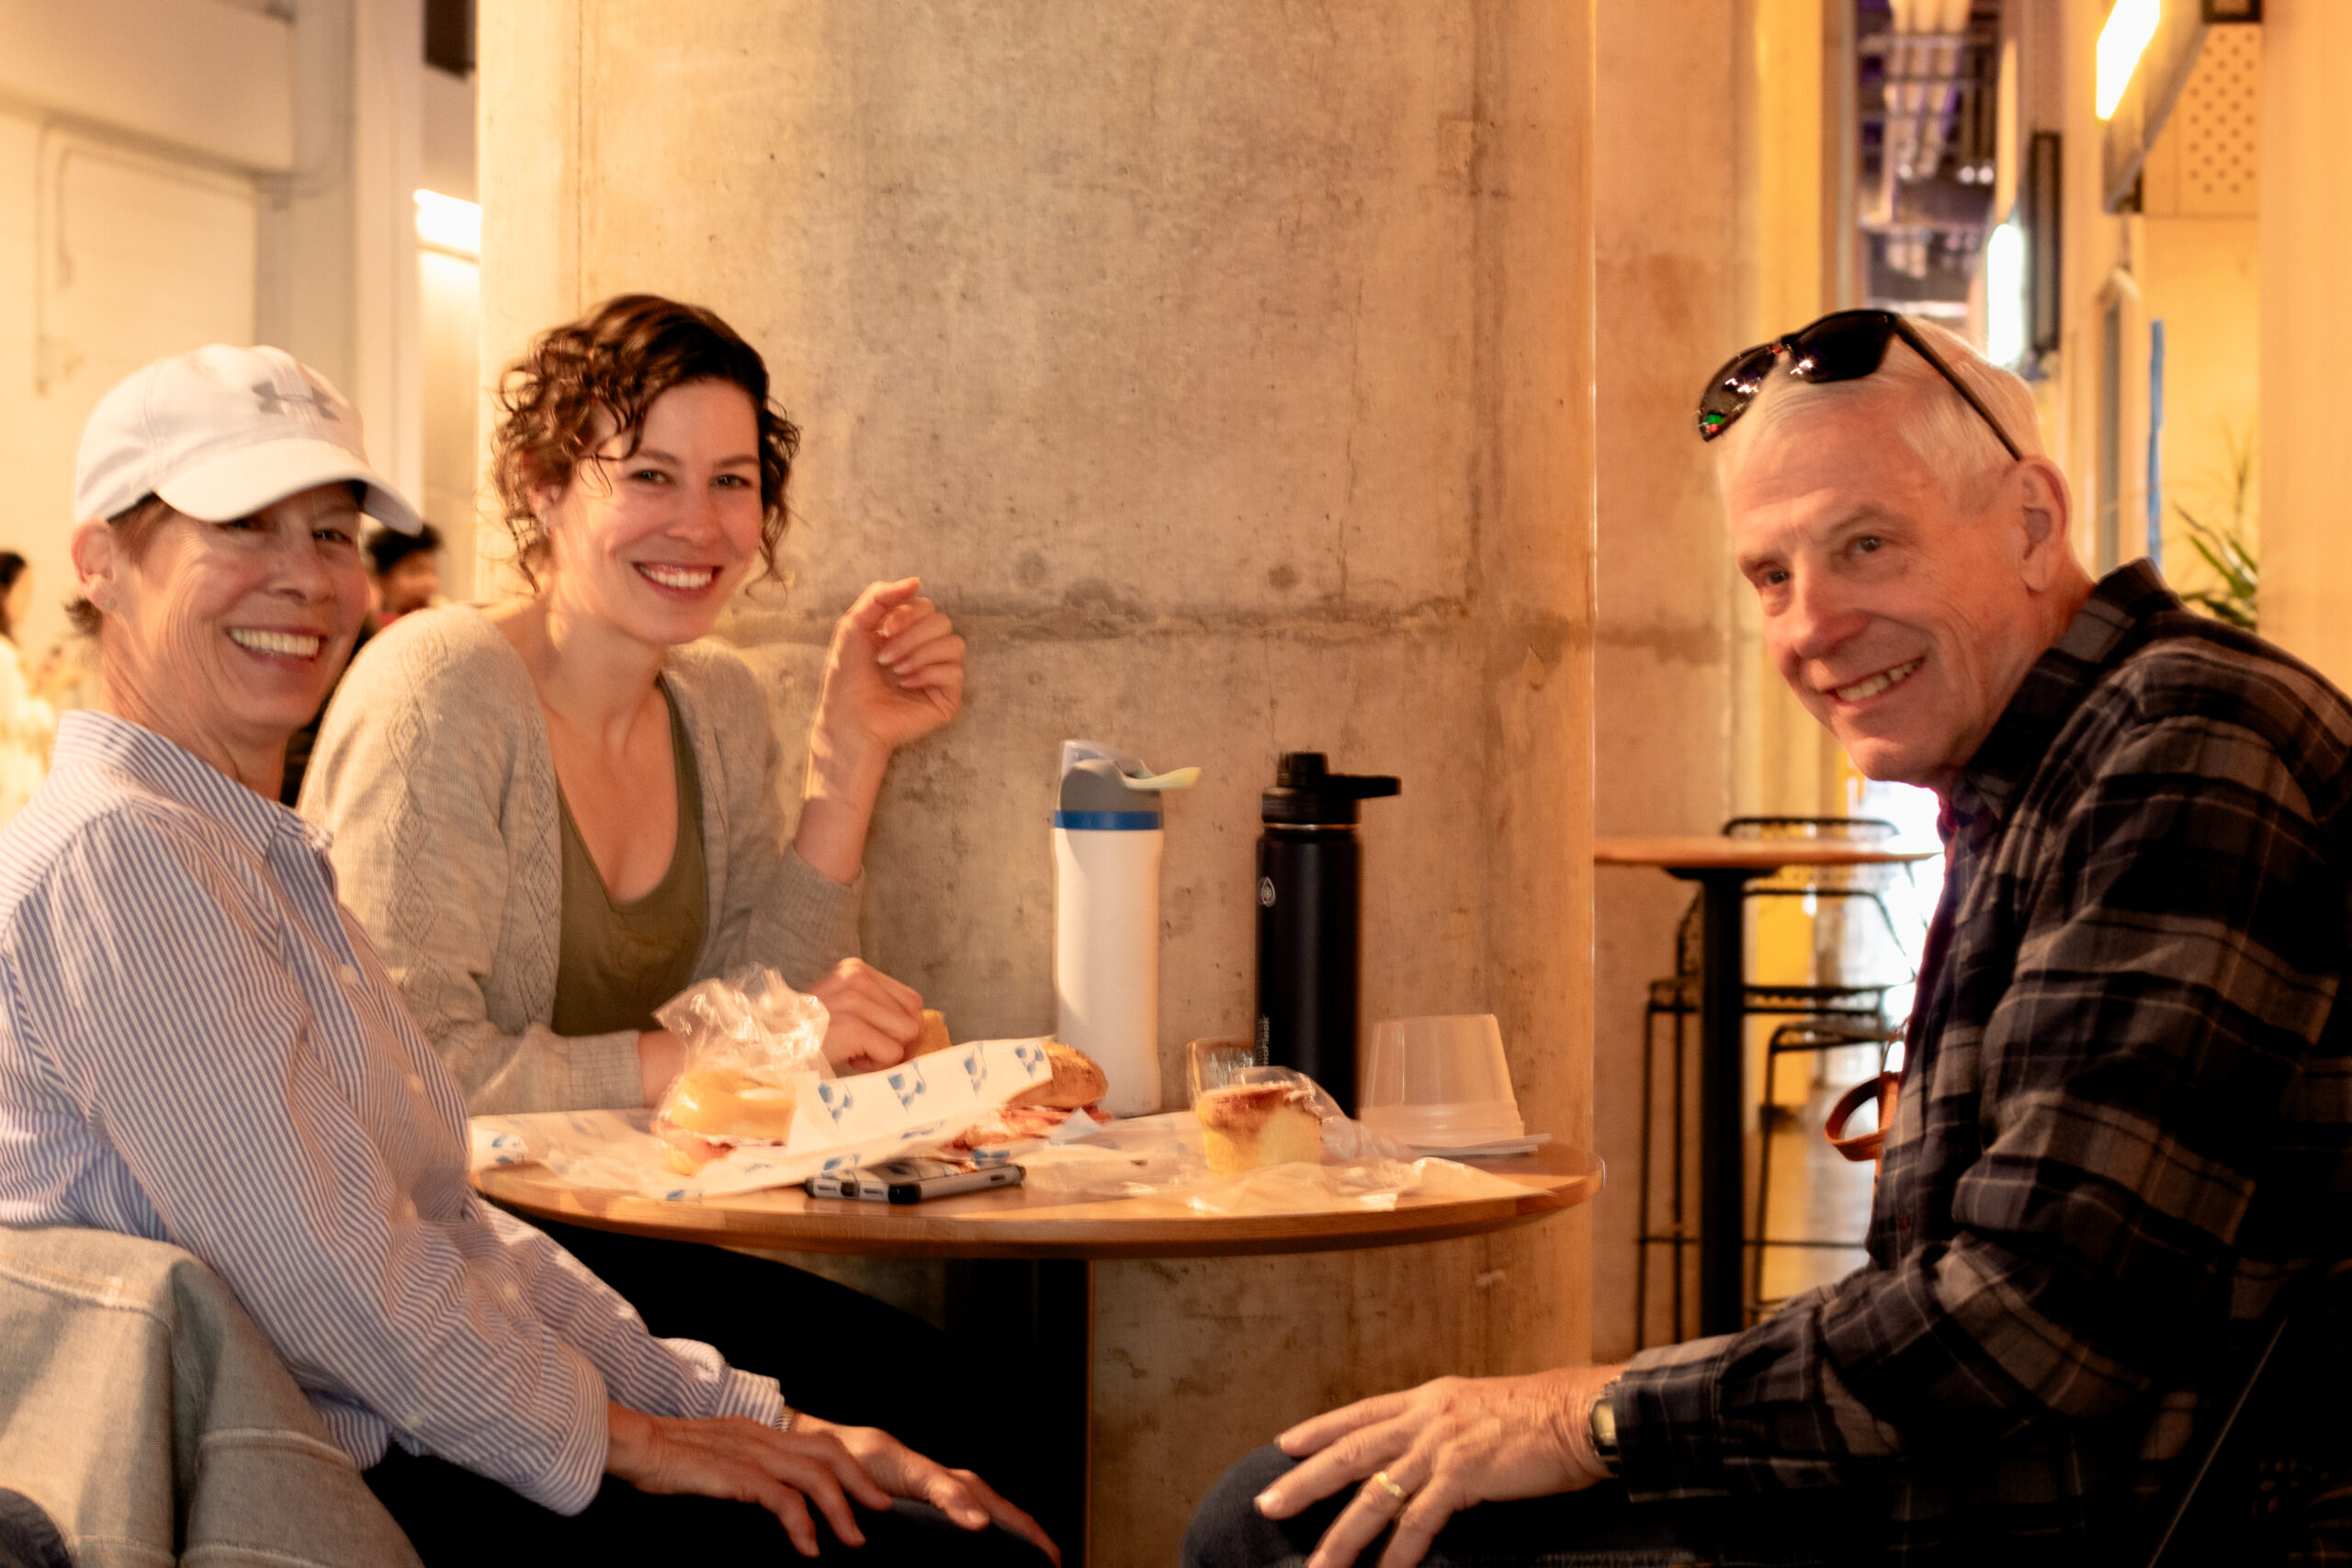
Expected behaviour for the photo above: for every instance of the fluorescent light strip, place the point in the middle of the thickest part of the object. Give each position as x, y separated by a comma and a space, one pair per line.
2005, 284
2122, 41
446, 223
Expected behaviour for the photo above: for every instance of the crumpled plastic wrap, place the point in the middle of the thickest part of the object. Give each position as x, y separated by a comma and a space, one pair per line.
910, 1108
753, 1021
1164, 1157
1159, 1158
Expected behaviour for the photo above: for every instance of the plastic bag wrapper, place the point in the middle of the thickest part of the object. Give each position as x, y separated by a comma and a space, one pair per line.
1165, 1158
753, 1021
907, 1109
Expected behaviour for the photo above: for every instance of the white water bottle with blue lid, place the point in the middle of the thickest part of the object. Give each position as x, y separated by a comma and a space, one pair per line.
1108, 829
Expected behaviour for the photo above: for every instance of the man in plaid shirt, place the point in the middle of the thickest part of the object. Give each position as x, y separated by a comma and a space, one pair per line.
2125, 1122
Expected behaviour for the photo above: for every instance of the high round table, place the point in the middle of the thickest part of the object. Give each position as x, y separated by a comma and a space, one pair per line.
1062, 1240
1722, 868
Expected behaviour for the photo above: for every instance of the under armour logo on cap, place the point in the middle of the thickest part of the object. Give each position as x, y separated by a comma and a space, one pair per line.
272, 401
225, 433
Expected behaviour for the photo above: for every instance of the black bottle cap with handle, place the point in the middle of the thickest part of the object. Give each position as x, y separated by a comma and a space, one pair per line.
1306, 795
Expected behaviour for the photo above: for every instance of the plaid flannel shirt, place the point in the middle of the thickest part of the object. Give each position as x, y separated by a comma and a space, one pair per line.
2125, 1124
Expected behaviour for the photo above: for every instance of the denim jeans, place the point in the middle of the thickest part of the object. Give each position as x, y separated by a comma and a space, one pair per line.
1599, 1528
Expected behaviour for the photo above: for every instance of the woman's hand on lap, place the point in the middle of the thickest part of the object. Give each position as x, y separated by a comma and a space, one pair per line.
745, 1462
958, 1494
1450, 1445
874, 1019
894, 673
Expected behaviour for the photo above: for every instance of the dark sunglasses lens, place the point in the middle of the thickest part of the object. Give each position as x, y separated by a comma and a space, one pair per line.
1734, 388
1843, 347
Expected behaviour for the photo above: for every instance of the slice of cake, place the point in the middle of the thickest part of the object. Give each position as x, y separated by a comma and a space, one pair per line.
1249, 1126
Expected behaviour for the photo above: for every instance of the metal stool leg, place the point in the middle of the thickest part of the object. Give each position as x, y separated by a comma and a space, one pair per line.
1681, 1144
1642, 1197
1763, 1176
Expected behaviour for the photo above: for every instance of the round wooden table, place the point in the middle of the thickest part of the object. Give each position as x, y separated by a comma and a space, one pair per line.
1043, 1293
1011, 1222
1722, 868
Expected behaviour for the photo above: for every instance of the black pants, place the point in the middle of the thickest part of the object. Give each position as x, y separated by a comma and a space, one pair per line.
458, 1519
1599, 1528
837, 1354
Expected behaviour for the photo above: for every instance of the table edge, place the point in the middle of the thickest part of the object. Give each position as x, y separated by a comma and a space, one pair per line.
1158, 1238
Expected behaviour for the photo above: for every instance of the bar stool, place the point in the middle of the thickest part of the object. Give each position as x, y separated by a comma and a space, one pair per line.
1813, 1036
1857, 1007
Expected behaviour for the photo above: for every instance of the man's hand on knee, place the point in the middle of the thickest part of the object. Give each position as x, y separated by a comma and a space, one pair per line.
1426, 1454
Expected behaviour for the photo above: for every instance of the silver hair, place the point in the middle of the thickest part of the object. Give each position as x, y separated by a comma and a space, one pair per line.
1935, 422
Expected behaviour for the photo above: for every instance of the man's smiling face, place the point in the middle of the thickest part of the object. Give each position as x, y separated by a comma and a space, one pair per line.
1903, 623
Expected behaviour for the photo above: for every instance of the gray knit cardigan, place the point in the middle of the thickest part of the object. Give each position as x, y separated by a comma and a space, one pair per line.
433, 773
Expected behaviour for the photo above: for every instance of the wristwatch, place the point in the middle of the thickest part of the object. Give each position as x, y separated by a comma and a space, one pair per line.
1602, 1425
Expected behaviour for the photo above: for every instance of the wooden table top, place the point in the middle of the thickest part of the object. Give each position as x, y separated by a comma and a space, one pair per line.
1704, 852
1011, 1222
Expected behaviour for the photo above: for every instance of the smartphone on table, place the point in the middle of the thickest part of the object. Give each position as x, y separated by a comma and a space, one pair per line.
910, 1180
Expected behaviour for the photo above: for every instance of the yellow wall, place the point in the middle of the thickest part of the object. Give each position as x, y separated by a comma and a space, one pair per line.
2306, 231
2198, 262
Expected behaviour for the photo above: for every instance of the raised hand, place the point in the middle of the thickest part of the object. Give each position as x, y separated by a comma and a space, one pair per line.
895, 671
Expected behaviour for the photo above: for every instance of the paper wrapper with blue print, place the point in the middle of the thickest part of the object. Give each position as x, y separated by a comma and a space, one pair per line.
839, 1122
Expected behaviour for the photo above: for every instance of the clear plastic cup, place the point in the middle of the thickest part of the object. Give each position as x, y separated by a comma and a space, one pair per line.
1439, 1082
1213, 1064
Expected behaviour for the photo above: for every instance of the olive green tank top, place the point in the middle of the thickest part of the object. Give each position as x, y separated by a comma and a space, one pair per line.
619, 962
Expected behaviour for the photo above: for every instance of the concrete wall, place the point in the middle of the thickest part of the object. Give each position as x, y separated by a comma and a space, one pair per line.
1666, 226
1225, 369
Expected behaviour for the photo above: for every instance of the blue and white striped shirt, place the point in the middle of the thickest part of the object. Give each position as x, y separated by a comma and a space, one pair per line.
198, 1046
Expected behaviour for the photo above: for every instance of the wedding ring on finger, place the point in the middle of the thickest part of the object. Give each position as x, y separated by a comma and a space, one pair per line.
1397, 1493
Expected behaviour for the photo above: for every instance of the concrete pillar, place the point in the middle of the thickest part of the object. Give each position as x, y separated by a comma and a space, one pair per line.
1226, 369
1666, 280
2305, 461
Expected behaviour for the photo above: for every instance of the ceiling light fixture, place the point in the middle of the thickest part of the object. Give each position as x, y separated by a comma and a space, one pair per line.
2005, 294
2122, 41
446, 223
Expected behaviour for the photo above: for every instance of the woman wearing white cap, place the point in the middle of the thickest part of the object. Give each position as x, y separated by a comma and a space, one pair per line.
198, 1046
556, 815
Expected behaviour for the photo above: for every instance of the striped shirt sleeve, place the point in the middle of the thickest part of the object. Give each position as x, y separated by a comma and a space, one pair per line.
175, 1027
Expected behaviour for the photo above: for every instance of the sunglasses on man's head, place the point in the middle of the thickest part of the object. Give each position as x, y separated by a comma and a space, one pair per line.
1844, 345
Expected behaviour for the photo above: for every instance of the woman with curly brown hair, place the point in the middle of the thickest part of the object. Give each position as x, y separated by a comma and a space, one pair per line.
555, 814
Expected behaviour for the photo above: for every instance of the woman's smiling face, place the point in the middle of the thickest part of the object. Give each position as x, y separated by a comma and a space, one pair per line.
652, 541
225, 637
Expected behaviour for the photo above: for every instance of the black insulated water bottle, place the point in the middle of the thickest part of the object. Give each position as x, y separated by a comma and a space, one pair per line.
1310, 913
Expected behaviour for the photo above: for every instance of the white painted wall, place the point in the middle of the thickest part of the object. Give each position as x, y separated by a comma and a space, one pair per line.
108, 257
175, 173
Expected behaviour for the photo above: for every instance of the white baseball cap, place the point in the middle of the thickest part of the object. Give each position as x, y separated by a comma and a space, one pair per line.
222, 433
